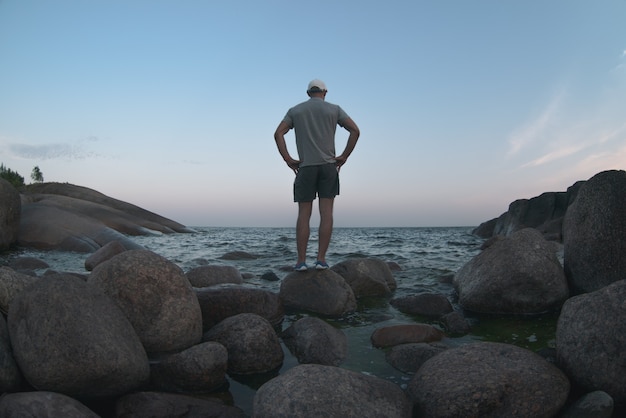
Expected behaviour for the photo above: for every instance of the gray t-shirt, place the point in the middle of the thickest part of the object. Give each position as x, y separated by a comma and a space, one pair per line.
315, 122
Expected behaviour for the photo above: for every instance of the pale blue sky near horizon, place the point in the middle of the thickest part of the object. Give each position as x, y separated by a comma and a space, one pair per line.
463, 106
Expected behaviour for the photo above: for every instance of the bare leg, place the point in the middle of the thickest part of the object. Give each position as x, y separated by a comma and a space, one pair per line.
303, 229
326, 227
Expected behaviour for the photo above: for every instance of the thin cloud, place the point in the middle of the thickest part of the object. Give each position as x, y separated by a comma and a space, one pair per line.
534, 130
53, 151
570, 149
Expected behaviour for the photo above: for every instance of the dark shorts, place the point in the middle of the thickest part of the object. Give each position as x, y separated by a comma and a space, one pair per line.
320, 180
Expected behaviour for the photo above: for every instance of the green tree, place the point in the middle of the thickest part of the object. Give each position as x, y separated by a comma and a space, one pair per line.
36, 175
11, 176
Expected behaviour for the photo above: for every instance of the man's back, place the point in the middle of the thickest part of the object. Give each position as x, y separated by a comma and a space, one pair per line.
315, 122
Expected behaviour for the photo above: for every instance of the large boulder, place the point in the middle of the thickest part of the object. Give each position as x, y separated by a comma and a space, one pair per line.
252, 344
10, 211
488, 380
69, 337
155, 296
42, 404
313, 390
366, 276
73, 218
320, 291
519, 274
590, 340
594, 244
10, 375
312, 340
11, 284
220, 302
168, 405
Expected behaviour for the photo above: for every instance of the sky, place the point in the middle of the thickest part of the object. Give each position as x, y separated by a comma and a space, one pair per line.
463, 106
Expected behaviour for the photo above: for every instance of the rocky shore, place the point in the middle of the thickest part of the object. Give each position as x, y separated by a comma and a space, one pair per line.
137, 336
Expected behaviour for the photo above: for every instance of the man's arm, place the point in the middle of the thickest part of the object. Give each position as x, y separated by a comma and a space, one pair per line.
349, 125
279, 137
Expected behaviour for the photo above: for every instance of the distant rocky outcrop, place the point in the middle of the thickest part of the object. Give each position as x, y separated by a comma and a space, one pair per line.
62, 216
544, 213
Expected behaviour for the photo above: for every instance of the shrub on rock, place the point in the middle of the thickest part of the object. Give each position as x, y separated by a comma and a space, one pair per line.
155, 296
69, 337
519, 274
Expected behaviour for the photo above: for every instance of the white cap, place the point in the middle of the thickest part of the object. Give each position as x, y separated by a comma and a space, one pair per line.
316, 85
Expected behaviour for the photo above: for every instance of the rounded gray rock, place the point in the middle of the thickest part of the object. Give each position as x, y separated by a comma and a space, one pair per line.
201, 368
488, 380
69, 337
313, 390
252, 343
590, 340
519, 274
156, 297
594, 244
324, 292
367, 276
42, 404
312, 340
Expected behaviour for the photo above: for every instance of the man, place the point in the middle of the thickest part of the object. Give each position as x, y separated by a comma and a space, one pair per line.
317, 167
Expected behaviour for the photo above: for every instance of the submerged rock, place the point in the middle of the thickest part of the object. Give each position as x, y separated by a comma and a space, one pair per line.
403, 334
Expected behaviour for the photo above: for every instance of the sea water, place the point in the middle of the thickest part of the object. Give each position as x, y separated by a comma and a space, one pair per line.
427, 257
